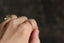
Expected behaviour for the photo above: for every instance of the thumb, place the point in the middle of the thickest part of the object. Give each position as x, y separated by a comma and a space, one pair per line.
35, 37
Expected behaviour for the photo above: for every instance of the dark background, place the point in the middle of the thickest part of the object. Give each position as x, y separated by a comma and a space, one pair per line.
49, 15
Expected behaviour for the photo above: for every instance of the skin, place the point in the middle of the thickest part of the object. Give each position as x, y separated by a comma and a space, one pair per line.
19, 30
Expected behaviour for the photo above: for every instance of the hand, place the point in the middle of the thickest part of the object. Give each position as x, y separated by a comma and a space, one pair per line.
19, 30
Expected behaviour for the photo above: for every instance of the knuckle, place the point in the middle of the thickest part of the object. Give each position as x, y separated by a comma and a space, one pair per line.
12, 22
24, 17
13, 16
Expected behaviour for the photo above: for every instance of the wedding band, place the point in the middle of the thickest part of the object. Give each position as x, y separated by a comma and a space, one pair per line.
7, 17
31, 24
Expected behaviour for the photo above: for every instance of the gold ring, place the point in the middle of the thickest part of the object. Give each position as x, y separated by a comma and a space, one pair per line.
7, 17
31, 24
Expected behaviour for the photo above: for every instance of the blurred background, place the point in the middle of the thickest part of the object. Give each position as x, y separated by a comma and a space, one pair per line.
49, 15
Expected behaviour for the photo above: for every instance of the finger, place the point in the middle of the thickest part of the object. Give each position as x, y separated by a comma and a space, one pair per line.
5, 22
18, 21
25, 29
35, 37
13, 25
